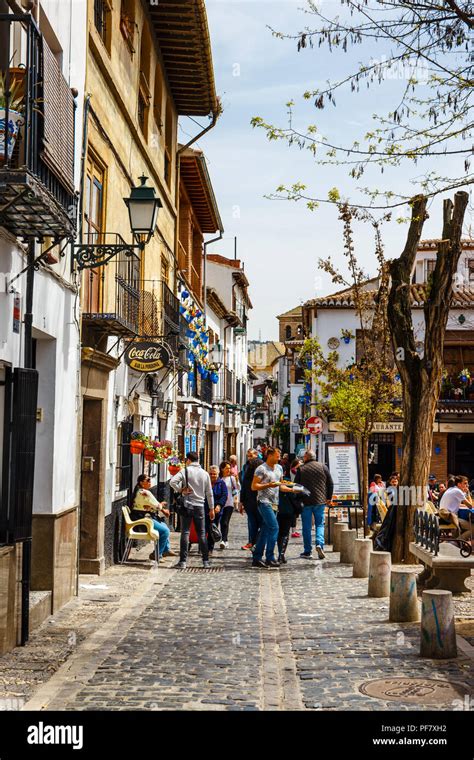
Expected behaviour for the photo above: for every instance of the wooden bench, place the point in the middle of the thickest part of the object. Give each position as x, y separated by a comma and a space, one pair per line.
446, 570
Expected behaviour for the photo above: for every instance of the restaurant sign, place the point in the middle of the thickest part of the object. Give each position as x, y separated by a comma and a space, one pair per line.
146, 356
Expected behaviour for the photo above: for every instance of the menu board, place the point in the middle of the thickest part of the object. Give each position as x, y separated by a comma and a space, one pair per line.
344, 469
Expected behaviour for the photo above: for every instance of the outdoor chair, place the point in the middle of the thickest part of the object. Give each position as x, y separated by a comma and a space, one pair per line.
132, 534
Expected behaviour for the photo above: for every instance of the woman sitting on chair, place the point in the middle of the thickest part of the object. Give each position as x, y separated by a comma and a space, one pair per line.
143, 504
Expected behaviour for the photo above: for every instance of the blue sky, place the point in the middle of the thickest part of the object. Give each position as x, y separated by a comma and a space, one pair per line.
256, 74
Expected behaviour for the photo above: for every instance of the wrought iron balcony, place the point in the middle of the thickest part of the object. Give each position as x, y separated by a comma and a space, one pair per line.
111, 298
37, 196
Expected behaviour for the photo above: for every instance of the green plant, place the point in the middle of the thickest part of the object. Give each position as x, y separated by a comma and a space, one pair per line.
17, 98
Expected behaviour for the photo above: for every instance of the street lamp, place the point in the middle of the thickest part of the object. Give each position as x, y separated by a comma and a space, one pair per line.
143, 206
216, 357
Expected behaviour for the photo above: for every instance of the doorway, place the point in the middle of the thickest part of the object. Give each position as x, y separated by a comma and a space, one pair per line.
90, 485
382, 453
461, 454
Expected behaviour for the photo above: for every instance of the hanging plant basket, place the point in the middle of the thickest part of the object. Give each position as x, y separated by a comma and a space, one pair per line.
150, 455
136, 447
173, 469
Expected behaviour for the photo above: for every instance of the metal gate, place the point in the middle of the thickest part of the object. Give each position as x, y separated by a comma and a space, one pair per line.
18, 466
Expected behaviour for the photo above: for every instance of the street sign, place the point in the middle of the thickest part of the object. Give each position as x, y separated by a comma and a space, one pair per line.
314, 425
146, 356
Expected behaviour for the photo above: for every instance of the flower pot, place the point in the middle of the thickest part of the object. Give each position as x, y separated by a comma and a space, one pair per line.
173, 469
136, 447
150, 455
15, 122
346, 339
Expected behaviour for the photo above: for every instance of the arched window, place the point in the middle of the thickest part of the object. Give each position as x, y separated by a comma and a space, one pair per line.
288, 332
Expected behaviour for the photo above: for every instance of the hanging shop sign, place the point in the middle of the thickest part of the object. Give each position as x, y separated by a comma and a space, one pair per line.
146, 356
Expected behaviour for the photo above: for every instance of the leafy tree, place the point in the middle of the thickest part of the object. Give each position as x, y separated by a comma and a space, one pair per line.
426, 45
365, 392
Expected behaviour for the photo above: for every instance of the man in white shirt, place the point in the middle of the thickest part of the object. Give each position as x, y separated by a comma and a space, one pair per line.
457, 497
196, 491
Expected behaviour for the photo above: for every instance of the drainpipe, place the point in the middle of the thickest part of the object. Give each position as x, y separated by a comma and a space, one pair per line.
204, 277
82, 179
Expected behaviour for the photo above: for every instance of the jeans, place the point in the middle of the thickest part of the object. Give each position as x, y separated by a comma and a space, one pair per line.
164, 531
306, 519
254, 522
268, 533
200, 525
225, 521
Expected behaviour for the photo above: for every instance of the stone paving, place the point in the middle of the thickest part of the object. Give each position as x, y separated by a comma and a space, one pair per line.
304, 637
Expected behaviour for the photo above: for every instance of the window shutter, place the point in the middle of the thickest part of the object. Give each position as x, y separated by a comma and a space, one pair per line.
58, 128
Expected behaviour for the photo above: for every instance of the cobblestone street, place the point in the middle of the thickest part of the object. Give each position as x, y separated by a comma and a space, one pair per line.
233, 638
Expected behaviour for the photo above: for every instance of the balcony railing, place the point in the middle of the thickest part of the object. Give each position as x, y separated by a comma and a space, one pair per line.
151, 308
37, 167
111, 298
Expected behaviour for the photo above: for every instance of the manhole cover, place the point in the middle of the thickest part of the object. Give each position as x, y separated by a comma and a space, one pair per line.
414, 690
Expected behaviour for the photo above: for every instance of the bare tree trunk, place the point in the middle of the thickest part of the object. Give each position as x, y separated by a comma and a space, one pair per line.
421, 375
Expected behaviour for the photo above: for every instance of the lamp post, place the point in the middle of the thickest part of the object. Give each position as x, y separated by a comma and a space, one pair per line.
143, 206
216, 356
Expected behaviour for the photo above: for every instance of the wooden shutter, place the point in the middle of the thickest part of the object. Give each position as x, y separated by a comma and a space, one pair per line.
58, 127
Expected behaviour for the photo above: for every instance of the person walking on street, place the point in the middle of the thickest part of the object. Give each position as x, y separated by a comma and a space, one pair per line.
267, 483
219, 490
234, 469
196, 491
295, 465
143, 503
233, 488
316, 477
288, 510
248, 498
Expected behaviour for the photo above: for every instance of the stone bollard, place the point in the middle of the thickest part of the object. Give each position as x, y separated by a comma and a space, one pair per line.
348, 538
379, 574
404, 607
362, 550
438, 634
336, 536
329, 528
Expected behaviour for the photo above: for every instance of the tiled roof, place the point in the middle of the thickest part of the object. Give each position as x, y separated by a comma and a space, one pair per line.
432, 244
463, 297
296, 312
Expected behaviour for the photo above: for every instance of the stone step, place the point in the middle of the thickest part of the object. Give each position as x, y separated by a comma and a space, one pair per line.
40, 607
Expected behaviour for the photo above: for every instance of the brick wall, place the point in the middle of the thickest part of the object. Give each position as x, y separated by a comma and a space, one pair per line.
439, 462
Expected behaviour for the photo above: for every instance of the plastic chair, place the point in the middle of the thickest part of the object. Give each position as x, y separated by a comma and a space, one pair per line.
133, 535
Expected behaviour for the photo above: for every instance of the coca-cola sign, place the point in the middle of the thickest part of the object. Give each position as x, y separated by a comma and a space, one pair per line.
145, 356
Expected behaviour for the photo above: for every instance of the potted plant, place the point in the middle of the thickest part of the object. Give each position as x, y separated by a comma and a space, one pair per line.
347, 335
138, 442
150, 451
174, 465
16, 104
